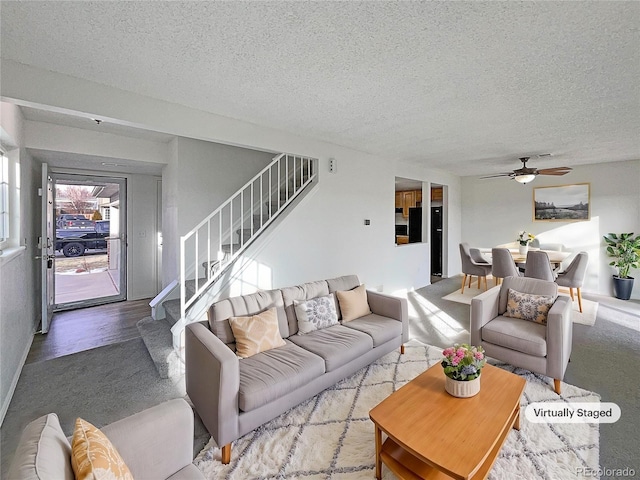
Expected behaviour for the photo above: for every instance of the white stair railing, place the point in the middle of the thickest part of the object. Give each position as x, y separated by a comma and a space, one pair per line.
211, 244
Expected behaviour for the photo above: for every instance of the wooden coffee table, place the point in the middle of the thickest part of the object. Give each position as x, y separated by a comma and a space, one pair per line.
432, 434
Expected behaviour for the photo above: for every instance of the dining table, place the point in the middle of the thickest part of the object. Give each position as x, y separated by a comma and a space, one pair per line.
520, 259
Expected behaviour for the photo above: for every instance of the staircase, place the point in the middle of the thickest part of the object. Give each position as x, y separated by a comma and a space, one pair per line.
212, 248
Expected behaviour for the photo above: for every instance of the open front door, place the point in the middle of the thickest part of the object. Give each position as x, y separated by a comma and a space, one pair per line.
47, 249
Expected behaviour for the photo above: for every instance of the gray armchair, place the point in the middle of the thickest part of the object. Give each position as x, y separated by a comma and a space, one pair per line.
473, 263
573, 276
539, 266
502, 264
155, 443
543, 349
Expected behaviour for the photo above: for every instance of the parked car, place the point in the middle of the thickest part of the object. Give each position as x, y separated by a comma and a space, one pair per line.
66, 221
75, 241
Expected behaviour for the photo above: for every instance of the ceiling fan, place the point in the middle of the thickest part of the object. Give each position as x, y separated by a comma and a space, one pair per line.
527, 174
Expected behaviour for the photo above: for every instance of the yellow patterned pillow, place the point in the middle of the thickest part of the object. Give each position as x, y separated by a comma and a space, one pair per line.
353, 303
93, 457
526, 306
257, 333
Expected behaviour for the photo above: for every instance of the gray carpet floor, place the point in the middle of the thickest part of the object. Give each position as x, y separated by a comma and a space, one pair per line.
111, 382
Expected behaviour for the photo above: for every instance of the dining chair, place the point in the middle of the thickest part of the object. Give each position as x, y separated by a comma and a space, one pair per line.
573, 276
502, 265
538, 266
473, 263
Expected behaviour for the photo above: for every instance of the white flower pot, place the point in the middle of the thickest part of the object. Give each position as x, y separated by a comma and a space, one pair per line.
523, 249
461, 388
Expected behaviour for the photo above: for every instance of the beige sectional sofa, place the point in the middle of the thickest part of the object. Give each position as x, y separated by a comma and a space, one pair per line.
233, 395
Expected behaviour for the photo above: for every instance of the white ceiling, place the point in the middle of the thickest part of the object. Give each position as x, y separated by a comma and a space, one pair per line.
464, 86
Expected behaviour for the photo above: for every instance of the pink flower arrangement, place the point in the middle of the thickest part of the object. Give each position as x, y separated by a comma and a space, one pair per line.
463, 362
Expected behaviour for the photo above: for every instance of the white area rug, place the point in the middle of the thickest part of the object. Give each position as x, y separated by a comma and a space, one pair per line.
331, 436
587, 317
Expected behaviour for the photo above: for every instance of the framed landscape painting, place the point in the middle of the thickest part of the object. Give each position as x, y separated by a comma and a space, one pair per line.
566, 203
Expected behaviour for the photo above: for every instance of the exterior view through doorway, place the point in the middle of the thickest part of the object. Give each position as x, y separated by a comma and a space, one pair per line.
90, 251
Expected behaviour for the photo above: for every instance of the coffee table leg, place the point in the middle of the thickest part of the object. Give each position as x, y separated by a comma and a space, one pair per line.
516, 423
378, 436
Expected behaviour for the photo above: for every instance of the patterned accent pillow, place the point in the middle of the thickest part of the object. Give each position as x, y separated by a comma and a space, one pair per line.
257, 333
526, 306
353, 303
316, 313
93, 457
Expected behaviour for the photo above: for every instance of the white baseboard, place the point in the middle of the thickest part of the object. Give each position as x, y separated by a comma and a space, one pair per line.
14, 382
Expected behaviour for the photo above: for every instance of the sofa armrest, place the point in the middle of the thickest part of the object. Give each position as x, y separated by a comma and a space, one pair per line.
484, 308
559, 337
212, 374
157, 442
392, 307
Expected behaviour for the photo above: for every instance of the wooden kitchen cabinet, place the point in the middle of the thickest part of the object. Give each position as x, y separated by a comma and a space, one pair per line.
398, 199
408, 201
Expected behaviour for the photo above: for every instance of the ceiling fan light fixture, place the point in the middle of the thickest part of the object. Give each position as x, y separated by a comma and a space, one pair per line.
524, 178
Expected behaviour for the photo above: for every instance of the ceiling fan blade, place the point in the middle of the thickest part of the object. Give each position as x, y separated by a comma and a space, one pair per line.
499, 175
554, 171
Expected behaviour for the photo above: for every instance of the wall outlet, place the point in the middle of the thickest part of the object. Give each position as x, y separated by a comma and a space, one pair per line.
332, 165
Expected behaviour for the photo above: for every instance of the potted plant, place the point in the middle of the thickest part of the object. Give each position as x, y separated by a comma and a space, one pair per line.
462, 367
523, 240
625, 250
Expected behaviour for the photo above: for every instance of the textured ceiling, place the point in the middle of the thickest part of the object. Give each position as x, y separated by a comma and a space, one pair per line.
464, 86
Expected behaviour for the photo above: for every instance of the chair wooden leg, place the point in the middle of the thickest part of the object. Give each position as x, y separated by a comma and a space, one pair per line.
556, 385
486, 287
579, 299
401, 349
496, 281
571, 293
226, 453
479, 280
470, 280
464, 281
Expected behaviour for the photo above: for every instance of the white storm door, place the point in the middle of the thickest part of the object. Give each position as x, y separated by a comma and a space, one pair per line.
47, 256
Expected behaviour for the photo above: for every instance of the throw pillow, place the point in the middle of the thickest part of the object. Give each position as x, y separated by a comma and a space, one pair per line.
93, 457
316, 313
353, 303
526, 306
257, 333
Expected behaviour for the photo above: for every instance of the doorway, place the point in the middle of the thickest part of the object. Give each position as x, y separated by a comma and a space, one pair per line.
89, 220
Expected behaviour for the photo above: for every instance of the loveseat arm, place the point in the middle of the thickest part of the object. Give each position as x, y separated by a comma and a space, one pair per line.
157, 442
559, 336
212, 373
391, 307
484, 308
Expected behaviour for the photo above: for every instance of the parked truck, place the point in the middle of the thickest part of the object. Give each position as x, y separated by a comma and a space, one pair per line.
75, 241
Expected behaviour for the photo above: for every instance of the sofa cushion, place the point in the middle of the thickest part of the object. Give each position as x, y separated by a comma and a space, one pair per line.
516, 334
337, 345
380, 329
257, 333
316, 313
527, 306
524, 285
301, 292
93, 457
269, 375
43, 451
353, 303
348, 282
220, 312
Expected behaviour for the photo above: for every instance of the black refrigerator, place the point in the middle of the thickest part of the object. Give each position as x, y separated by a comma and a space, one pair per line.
415, 225
436, 240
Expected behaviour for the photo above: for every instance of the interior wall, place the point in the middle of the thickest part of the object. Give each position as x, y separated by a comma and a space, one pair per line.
18, 318
495, 210
326, 237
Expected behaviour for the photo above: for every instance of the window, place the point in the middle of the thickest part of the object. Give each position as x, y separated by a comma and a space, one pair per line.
4, 198
9, 200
